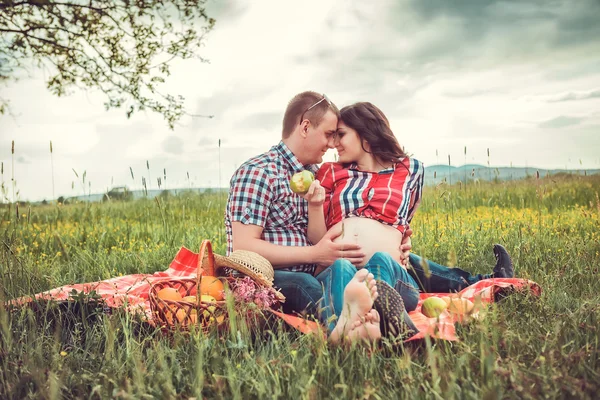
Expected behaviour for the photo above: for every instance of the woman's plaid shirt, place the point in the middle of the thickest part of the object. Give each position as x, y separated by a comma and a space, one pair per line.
390, 196
260, 194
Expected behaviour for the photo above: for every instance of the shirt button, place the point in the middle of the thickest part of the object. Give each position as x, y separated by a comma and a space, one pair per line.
370, 194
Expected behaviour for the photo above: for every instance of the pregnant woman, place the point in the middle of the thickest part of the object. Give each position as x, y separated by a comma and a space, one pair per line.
371, 194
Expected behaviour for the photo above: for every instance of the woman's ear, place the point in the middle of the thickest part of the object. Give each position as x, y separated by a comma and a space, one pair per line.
365, 146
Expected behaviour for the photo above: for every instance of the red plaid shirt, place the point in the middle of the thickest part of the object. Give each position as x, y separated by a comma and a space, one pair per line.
390, 196
260, 194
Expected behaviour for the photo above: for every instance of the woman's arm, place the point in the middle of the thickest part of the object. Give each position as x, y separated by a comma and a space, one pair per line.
416, 188
316, 218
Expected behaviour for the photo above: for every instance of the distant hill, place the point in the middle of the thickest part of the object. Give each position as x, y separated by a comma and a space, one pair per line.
434, 174
140, 194
470, 172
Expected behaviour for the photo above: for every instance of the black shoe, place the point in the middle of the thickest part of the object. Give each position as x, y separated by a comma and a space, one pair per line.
504, 266
394, 320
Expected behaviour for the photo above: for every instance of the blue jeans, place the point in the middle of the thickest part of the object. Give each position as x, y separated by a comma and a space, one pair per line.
335, 278
302, 291
442, 279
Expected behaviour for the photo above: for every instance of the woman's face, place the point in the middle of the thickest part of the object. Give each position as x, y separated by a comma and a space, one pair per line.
348, 144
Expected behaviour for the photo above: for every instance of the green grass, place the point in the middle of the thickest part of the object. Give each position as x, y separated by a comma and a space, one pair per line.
526, 347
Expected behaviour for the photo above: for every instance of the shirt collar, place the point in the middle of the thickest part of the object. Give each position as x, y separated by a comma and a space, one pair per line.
292, 160
354, 166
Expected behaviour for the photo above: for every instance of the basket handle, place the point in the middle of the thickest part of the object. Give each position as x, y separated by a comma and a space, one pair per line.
206, 247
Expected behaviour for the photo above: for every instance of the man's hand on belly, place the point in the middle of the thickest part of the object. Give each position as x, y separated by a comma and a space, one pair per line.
326, 251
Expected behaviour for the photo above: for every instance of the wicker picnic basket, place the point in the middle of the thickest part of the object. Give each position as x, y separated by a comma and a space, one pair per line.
182, 315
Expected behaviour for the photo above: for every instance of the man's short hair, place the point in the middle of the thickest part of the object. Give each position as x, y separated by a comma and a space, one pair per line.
299, 105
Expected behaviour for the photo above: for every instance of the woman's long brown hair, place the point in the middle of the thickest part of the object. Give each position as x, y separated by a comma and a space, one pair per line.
372, 125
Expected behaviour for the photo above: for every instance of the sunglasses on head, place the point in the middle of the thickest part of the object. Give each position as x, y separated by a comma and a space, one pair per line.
325, 98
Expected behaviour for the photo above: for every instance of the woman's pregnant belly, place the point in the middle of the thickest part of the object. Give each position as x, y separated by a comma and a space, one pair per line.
371, 235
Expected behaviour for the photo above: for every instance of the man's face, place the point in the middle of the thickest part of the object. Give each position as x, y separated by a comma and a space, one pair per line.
320, 138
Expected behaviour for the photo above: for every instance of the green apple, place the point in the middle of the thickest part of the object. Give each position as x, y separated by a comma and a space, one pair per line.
301, 181
432, 307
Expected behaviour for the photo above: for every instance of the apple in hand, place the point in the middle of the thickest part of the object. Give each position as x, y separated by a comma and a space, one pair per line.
301, 181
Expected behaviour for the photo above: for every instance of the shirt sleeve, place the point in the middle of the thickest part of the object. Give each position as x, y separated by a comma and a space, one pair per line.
326, 176
250, 196
415, 190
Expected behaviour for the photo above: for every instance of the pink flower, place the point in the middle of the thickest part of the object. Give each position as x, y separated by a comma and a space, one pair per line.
263, 298
246, 290
243, 289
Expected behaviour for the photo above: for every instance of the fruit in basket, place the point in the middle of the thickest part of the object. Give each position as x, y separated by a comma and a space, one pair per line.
212, 286
210, 309
169, 293
432, 307
180, 315
194, 316
172, 294
301, 181
189, 299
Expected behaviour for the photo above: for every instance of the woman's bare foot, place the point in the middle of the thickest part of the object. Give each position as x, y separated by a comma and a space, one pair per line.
367, 330
359, 295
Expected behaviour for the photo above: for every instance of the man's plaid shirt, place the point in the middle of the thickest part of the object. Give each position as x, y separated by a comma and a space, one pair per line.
260, 194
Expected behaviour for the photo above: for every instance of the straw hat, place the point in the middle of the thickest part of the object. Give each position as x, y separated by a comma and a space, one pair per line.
248, 263
251, 264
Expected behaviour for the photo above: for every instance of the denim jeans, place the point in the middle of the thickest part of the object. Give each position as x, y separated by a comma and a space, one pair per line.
302, 291
442, 279
335, 278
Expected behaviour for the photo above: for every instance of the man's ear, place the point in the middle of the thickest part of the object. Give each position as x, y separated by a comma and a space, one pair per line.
304, 128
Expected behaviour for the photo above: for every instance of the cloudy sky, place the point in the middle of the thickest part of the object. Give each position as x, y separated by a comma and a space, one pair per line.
521, 78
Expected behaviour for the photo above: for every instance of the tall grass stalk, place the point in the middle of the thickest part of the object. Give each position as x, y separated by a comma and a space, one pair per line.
132, 177
12, 180
149, 182
449, 171
465, 168
488, 164
3, 188
222, 231
52, 170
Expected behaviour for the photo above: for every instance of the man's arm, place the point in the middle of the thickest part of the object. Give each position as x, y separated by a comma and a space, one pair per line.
324, 253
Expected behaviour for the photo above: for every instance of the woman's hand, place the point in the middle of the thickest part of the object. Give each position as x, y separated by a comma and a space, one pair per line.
315, 195
405, 247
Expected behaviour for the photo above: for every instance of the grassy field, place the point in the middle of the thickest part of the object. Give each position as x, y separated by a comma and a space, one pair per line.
526, 347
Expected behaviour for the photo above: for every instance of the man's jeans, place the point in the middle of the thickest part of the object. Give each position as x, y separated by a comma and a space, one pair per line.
335, 278
302, 291
442, 279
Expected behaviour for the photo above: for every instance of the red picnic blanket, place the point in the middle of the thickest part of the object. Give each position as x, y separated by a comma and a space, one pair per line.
131, 292
480, 293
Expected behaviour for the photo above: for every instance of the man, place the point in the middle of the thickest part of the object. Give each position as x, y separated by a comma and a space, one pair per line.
263, 214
